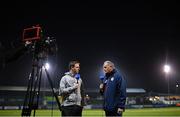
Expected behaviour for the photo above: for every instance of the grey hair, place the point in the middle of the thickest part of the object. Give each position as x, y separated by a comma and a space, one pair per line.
110, 63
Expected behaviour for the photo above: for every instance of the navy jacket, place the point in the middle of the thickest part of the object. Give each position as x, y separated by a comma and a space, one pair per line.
114, 91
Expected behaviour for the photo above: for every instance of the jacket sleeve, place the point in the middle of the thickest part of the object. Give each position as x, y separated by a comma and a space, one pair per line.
121, 93
63, 89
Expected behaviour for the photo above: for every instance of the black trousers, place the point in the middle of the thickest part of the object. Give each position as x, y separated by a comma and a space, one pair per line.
73, 110
113, 113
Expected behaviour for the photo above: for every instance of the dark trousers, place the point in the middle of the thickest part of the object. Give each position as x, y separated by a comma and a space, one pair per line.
73, 110
112, 113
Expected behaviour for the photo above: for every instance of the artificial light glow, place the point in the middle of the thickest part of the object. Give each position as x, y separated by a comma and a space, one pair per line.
166, 68
47, 66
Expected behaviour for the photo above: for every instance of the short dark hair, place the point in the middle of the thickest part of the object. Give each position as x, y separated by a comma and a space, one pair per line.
72, 64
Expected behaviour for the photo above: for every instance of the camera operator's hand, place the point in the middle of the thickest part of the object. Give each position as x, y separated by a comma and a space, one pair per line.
27, 43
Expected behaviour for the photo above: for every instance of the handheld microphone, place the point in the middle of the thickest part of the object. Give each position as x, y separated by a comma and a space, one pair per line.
101, 78
77, 76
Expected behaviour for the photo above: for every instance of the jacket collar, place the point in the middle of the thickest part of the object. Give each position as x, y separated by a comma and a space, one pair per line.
70, 74
110, 74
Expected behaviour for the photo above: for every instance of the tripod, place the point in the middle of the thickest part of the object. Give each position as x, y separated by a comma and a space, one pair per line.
31, 100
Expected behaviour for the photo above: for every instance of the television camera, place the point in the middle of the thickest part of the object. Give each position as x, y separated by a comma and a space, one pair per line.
41, 47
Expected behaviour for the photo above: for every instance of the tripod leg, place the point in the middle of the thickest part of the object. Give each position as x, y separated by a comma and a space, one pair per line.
26, 97
38, 92
53, 89
34, 105
31, 88
27, 107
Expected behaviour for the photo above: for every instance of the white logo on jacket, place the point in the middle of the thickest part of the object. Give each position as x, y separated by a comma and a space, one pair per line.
112, 78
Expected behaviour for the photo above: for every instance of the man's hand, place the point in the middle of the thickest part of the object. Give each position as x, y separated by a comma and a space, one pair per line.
76, 85
120, 110
101, 86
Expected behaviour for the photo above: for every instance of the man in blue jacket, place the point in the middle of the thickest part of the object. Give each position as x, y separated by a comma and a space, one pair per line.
113, 88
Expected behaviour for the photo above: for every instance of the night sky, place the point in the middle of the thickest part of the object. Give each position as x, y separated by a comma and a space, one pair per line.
138, 36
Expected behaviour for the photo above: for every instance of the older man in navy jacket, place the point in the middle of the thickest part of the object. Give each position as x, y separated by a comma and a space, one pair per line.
113, 88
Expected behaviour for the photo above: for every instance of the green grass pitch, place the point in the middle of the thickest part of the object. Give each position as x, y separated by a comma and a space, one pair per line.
150, 112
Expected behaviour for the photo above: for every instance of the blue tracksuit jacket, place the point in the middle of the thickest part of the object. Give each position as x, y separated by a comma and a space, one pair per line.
114, 91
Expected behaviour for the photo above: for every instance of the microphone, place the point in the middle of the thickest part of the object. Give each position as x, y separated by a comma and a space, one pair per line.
101, 78
77, 76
